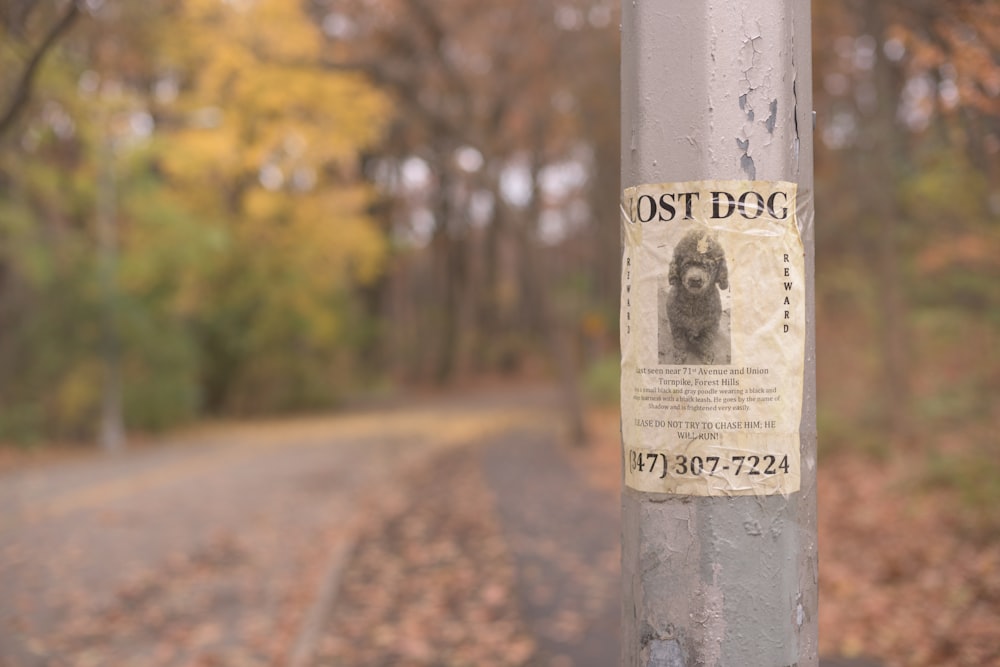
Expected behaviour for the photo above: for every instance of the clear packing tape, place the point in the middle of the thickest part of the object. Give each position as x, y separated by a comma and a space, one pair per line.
713, 334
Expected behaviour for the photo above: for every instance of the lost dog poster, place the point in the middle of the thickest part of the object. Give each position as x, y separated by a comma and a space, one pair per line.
712, 338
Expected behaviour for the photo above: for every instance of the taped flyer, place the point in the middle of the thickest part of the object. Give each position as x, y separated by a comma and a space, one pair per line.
712, 337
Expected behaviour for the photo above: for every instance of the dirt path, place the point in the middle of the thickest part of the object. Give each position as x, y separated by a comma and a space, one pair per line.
564, 538
455, 532
211, 551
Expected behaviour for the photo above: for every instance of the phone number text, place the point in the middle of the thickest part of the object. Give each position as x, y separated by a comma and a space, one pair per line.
679, 465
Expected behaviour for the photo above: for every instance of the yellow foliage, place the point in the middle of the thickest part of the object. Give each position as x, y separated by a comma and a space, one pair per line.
254, 64
324, 235
196, 155
276, 29
261, 124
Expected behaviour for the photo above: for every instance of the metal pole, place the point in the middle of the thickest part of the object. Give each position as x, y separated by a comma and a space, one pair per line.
718, 567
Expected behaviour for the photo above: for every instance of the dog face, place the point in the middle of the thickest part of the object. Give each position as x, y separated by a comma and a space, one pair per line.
696, 278
699, 264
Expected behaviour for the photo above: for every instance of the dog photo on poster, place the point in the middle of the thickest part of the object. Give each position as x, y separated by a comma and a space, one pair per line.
712, 337
694, 304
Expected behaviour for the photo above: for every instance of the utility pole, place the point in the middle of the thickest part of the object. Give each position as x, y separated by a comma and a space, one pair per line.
719, 550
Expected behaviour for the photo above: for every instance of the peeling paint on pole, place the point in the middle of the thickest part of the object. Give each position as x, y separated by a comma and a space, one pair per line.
720, 91
665, 653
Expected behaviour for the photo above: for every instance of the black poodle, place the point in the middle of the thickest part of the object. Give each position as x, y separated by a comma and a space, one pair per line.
694, 307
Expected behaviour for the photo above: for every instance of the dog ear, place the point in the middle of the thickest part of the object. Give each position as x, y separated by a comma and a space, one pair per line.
722, 274
673, 275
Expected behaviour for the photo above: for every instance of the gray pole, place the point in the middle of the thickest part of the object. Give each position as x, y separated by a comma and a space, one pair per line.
720, 90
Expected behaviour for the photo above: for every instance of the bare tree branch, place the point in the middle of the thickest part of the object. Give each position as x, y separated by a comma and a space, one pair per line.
22, 91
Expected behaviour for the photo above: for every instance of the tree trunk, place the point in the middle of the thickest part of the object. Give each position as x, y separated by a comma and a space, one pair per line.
885, 154
112, 421
553, 329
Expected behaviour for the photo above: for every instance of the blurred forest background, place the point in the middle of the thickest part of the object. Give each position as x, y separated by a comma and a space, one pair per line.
247, 207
